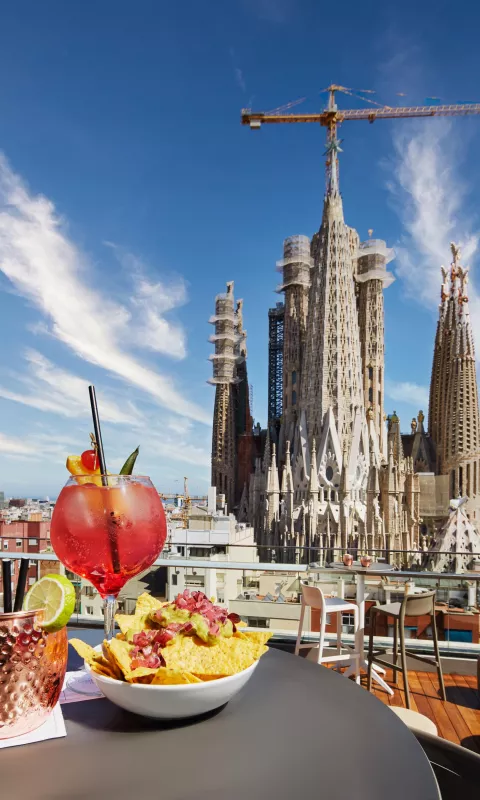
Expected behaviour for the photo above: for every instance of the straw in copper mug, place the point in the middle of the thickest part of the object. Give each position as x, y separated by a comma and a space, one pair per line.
21, 584
7, 585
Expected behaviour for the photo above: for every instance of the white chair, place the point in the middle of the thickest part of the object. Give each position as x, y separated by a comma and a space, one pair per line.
313, 597
414, 720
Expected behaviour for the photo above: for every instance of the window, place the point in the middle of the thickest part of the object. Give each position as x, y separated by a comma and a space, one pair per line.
332, 495
294, 397
458, 636
174, 579
370, 395
258, 622
348, 623
89, 591
286, 401
370, 373
33, 541
31, 581
294, 376
19, 542
89, 609
5, 544
329, 473
32, 563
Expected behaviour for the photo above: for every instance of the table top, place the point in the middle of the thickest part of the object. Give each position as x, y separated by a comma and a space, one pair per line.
356, 567
296, 729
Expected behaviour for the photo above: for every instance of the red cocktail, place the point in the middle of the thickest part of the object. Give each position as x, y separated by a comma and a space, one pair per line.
108, 534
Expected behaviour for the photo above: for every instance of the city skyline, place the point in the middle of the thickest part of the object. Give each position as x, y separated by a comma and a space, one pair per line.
118, 224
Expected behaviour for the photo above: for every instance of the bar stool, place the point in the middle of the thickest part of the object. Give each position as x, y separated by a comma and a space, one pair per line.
413, 605
313, 597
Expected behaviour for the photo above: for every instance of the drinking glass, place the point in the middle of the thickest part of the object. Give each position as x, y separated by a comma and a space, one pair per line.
108, 533
32, 670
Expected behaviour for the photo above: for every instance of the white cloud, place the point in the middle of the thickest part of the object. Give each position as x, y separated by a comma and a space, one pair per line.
428, 195
151, 301
15, 447
50, 388
405, 392
45, 267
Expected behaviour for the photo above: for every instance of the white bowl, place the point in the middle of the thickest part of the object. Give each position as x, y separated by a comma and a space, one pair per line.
171, 702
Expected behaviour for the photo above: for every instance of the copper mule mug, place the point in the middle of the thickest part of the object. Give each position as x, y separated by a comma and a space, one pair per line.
32, 670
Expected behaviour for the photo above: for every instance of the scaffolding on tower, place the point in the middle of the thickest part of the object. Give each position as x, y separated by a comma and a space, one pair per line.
276, 320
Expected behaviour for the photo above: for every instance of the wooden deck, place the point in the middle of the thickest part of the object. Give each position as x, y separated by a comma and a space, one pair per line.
457, 719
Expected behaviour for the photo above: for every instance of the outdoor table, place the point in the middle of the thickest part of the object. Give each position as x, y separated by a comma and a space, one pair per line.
295, 730
376, 567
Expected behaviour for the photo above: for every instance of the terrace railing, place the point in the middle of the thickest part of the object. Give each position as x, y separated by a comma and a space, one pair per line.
266, 593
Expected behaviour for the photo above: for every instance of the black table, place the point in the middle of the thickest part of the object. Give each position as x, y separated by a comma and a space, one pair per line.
295, 730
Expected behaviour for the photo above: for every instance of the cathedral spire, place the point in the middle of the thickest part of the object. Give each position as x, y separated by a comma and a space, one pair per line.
455, 420
331, 370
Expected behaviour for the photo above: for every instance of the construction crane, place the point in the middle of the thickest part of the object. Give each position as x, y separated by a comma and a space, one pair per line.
186, 501
333, 116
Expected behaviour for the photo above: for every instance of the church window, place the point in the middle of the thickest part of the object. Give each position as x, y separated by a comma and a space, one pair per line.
286, 401
379, 374
332, 495
475, 488
452, 483
370, 395
294, 397
469, 490
370, 373
329, 473
460, 480
294, 376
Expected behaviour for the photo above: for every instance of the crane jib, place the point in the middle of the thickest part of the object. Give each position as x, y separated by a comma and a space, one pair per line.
326, 118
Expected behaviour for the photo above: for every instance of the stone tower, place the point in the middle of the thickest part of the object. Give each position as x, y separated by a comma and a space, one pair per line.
295, 268
224, 378
243, 416
331, 371
372, 277
455, 420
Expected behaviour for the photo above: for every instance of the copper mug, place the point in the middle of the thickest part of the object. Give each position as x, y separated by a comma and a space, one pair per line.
348, 559
365, 561
32, 670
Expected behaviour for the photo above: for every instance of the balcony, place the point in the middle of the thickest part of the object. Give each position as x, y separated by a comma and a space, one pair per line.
267, 594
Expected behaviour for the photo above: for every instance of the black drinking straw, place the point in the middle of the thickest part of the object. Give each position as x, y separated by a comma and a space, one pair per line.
21, 584
112, 534
7, 585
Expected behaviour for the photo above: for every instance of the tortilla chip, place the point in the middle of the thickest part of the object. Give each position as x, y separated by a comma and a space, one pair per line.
229, 656
101, 670
168, 677
112, 664
258, 637
146, 604
120, 652
140, 675
84, 650
125, 621
240, 635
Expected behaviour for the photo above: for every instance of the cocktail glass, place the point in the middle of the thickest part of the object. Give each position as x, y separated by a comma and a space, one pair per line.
108, 533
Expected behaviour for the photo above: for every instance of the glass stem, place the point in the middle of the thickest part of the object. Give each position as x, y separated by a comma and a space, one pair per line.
109, 608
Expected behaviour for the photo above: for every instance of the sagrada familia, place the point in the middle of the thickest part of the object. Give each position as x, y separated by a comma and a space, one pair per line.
331, 470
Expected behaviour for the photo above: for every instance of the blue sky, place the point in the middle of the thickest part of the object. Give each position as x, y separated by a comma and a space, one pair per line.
129, 195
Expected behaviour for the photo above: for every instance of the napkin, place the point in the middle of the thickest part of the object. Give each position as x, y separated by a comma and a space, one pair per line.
52, 728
